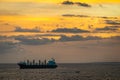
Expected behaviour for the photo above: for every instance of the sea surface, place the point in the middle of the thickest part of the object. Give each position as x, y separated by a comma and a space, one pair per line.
81, 71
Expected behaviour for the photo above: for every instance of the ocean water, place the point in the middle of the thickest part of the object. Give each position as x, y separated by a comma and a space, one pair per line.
84, 71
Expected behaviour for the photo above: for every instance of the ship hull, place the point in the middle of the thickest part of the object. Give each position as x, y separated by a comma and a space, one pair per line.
36, 66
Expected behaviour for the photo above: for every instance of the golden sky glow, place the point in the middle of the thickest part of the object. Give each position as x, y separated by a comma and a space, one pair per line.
87, 1
49, 16
58, 1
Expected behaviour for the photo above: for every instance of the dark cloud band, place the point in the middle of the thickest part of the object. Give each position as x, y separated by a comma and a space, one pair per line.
76, 3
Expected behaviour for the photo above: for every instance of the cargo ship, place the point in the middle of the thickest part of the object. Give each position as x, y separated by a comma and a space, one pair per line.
38, 65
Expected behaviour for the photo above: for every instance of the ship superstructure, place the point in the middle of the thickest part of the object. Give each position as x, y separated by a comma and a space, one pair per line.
40, 64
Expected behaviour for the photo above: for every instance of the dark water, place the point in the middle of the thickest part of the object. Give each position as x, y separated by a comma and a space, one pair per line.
88, 71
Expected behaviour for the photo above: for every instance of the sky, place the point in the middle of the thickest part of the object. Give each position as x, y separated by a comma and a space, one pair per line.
58, 1
84, 31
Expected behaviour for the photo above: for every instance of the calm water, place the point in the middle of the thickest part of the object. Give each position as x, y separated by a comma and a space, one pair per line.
88, 71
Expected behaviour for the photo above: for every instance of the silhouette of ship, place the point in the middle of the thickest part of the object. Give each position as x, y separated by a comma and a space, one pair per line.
37, 65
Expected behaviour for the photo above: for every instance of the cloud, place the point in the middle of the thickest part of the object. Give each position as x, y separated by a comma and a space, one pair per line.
92, 38
3, 37
72, 15
6, 46
73, 38
68, 3
19, 29
100, 5
7, 24
106, 17
112, 22
108, 28
69, 30
41, 41
76, 3
8, 13
38, 40
33, 41
116, 37
77, 38
82, 4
